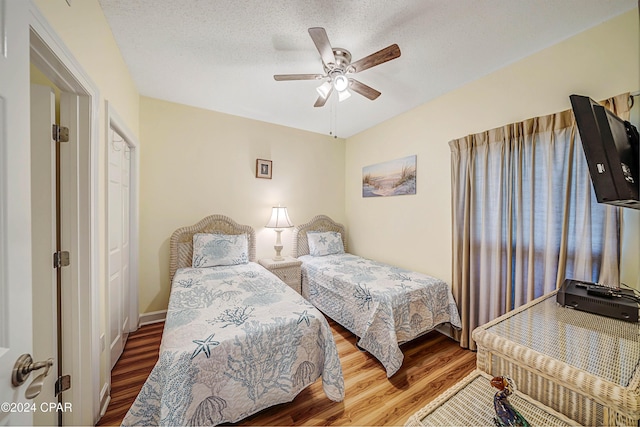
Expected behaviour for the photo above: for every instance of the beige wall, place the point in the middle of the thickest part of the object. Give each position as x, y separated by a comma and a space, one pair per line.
83, 29
415, 231
196, 163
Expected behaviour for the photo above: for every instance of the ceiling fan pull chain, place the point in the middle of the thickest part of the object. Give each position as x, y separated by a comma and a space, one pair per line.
335, 117
331, 128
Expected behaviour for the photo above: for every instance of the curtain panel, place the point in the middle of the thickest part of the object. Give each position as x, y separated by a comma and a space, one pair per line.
525, 216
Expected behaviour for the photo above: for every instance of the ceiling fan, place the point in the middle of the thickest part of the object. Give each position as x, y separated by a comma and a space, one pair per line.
338, 68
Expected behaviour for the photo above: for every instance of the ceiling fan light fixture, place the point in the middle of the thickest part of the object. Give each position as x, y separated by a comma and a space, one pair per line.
337, 65
324, 89
341, 82
345, 94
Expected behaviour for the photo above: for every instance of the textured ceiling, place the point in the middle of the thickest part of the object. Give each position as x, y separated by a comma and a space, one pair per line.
221, 55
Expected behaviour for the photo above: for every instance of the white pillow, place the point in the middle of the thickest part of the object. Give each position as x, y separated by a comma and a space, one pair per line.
323, 243
210, 250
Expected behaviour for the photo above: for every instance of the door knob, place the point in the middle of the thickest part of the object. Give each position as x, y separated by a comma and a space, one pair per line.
23, 367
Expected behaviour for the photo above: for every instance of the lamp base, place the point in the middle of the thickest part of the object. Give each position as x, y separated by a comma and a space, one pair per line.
278, 249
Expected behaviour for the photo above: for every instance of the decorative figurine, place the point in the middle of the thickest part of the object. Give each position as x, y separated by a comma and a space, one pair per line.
507, 416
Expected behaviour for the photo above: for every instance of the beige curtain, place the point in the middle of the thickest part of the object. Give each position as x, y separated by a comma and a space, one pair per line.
525, 217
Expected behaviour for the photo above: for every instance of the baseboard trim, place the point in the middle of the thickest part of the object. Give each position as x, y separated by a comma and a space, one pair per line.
446, 329
152, 317
105, 399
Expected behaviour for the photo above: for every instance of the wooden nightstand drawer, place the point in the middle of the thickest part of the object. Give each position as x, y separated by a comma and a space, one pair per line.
288, 270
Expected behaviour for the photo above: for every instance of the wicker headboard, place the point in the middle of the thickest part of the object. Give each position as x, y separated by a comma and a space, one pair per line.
181, 243
318, 223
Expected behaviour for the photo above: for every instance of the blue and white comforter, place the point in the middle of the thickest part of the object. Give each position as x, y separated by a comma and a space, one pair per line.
236, 340
383, 305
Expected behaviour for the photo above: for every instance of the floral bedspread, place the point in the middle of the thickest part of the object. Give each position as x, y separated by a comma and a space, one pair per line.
236, 340
383, 305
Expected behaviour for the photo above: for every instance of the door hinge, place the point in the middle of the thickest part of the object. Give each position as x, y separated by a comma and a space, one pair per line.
60, 259
60, 133
63, 384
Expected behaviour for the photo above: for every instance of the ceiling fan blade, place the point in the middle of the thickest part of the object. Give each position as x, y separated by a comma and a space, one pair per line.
380, 57
320, 39
363, 89
323, 100
283, 77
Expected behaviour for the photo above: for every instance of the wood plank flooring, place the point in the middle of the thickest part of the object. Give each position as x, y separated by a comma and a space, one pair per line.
432, 363
131, 371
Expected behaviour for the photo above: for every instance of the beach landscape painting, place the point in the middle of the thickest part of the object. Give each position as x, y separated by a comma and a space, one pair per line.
392, 178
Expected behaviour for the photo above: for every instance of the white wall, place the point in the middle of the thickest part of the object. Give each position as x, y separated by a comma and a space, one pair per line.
196, 163
415, 231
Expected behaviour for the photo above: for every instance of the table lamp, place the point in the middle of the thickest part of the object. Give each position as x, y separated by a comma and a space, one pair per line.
279, 220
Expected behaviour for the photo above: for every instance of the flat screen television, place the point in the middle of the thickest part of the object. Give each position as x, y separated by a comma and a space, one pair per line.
610, 146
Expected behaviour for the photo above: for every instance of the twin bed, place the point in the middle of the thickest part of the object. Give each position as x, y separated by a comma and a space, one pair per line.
238, 340
383, 305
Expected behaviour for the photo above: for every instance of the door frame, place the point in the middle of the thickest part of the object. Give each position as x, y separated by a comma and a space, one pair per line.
51, 56
115, 122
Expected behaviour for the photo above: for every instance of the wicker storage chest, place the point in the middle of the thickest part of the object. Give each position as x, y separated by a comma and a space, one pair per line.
470, 403
580, 364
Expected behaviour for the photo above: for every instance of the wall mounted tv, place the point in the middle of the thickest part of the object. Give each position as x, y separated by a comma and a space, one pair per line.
610, 146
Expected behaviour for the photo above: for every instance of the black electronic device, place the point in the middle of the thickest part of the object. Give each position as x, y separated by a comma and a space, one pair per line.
610, 146
597, 299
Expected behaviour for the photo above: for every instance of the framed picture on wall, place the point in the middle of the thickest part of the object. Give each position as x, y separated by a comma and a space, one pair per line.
391, 178
263, 168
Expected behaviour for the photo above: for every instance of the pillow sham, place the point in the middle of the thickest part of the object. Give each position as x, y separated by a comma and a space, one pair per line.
323, 243
211, 250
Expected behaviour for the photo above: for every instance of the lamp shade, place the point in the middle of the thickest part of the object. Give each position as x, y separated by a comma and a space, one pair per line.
324, 89
343, 95
279, 218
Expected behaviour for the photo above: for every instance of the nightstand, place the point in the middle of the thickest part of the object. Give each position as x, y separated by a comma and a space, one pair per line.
288, 270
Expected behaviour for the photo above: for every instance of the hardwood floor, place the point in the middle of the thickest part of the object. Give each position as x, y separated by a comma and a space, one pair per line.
131, 371
432, 363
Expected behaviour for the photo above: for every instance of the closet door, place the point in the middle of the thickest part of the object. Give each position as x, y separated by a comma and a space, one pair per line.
119, 244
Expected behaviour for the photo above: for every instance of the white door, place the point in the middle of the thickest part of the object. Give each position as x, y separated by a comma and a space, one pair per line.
15, 211
119, 242
43, 238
